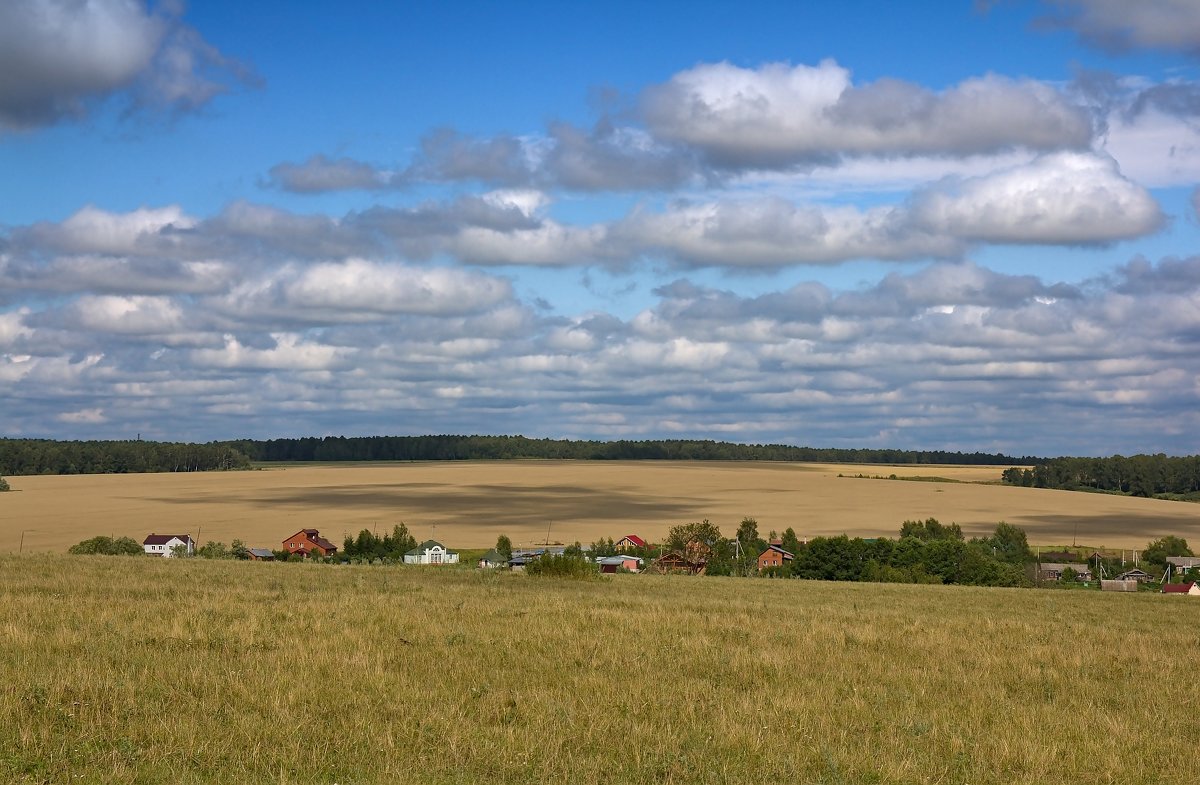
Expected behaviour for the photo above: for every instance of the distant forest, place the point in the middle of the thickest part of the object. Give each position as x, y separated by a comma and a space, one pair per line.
1138, 475
43, 456
462, 448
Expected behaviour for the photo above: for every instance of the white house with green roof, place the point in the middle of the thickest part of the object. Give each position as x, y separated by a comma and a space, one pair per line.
431, 552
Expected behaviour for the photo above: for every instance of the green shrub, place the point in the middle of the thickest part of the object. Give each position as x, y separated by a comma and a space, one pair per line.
568, 565
108, 546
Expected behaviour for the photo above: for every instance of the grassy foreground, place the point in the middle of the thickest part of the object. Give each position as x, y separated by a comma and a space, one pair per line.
150, 671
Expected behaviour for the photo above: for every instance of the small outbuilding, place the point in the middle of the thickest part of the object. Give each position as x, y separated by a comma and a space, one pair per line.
491, 560
612, 564
261, 554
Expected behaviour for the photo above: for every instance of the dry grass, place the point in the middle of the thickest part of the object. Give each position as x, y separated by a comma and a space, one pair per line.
128, 670
472, 503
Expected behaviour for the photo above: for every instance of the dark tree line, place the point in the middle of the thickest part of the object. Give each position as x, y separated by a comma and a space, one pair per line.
44, 456
1137, 475
461, 448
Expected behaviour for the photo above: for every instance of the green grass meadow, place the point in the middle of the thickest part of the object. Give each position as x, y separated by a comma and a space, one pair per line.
138, 670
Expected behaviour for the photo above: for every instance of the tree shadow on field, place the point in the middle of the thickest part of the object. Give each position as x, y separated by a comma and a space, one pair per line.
498, 503
1098, 528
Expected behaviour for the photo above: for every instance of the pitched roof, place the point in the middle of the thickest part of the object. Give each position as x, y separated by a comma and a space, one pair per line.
636, 540
492, 556
1047, 566
425, 546
617, 559
1184, 561
262, 553
163, 539
1176, 588
777, 549
324, 543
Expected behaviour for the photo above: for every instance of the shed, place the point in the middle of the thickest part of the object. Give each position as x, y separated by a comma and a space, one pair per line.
611, 564
491, 559
1118, 585
261, 554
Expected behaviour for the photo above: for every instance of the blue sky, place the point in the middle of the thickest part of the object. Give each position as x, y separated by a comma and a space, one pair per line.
959, 225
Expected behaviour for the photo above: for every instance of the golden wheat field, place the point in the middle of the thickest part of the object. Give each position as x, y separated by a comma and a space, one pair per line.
468, 504
157, 671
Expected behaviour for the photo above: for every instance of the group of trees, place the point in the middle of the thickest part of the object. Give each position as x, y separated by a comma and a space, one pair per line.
451, 447
940, 555
108, 546
926, 552
369, 546
44, 456
1137, 475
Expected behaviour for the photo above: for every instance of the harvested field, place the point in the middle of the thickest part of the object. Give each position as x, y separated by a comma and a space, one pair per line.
470, 503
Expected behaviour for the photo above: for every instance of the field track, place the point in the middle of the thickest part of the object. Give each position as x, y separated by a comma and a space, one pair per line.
470, 503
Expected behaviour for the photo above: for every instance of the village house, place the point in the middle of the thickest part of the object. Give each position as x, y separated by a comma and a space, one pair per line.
629, 542
1052, 571
774, 556
674, 561
518, 562
165, 545
1181, 564
307, 542
260, 554
431, 552
1141, 576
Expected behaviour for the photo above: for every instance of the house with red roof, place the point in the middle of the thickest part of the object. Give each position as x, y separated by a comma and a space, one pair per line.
307, 542
1181, 588
629, 542
165, 545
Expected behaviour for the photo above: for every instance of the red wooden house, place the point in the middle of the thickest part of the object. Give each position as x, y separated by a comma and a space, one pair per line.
629, 542
306, 542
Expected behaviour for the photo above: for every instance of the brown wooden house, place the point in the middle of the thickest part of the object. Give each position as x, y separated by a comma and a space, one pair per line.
307, 542
674, 561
